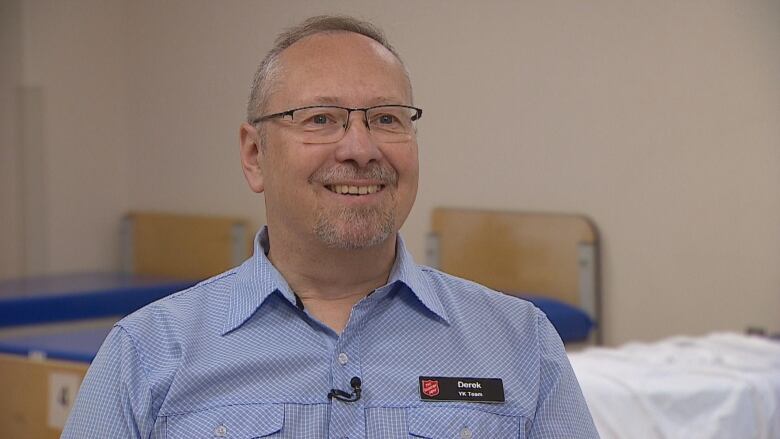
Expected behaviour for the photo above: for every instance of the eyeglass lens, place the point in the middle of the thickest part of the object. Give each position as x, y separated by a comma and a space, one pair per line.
328, 124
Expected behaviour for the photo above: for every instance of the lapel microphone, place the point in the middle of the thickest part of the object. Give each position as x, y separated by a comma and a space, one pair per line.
347, 397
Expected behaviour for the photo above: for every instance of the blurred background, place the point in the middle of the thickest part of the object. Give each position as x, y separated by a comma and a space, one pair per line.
658, 120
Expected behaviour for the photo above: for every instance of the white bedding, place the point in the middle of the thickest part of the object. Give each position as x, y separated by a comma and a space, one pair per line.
724, 385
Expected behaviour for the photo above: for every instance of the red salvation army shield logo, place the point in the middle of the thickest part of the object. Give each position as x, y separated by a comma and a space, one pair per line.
430, 387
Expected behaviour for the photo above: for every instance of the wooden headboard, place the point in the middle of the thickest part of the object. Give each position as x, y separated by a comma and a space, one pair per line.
544, 254
184, 246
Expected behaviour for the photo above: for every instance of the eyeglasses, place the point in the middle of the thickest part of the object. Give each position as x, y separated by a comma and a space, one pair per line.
329, 123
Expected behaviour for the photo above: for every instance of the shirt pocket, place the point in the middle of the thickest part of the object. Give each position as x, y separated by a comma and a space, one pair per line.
229, 422
461, 423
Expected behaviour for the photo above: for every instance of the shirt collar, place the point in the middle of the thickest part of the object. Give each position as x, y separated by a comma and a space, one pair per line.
407, 272
257, 279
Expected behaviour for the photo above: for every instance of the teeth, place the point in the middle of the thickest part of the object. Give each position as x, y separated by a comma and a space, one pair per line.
354, 190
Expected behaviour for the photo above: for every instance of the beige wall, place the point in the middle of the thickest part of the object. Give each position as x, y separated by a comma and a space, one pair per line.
73, 137
656, 119
11, 254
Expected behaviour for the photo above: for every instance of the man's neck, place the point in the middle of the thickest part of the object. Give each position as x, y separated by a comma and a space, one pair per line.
330, 281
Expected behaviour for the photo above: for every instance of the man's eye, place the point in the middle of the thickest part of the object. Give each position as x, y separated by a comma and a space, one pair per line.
386, 119
319, 119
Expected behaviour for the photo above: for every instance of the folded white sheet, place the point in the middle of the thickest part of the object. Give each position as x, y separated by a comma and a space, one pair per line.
723, 385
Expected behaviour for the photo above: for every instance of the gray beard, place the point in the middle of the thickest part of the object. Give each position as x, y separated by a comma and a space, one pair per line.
354, 228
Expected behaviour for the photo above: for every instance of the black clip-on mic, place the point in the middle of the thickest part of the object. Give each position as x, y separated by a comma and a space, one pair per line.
347, 397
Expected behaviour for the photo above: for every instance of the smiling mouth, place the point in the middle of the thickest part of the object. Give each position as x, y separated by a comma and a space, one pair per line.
343, 189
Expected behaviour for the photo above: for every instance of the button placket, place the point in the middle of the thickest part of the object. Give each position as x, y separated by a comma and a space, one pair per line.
348, 418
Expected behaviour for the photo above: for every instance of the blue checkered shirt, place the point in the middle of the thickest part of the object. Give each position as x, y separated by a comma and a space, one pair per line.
235, 357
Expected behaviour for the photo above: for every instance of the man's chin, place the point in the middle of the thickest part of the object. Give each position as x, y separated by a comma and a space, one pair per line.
352, 239
353, 231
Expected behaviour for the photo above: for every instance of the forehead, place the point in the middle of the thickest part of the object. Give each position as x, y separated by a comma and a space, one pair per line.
340, 67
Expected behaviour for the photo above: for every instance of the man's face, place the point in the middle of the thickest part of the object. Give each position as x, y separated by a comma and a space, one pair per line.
301, 180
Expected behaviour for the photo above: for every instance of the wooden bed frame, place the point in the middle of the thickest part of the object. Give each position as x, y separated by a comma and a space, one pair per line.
542, 254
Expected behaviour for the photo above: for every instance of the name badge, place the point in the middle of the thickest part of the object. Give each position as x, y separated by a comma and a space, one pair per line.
461, 389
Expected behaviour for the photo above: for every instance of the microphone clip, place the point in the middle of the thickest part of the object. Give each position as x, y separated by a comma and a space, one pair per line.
347, 397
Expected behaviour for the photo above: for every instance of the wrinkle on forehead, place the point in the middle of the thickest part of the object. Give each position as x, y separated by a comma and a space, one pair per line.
334, 100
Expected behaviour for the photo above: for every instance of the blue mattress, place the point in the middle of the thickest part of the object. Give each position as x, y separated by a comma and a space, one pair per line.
46, 299
572, 323
74, 345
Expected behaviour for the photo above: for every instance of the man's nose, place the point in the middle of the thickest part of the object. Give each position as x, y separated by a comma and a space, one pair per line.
358, 144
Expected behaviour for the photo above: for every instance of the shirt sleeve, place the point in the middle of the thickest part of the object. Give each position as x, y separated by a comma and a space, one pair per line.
115, 399
561, 410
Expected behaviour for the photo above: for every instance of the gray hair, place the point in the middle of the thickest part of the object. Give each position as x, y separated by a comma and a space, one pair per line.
268, 71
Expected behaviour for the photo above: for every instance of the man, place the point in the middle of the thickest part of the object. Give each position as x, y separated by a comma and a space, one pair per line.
330, 329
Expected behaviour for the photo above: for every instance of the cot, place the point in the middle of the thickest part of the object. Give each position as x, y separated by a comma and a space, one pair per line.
722, 385
549, 259
50, 329
40, 373
161, 253
52, 326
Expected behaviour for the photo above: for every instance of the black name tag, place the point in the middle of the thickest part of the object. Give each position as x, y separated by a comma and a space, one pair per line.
461, 389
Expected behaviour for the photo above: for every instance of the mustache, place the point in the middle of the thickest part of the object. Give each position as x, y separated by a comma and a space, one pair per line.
384, 174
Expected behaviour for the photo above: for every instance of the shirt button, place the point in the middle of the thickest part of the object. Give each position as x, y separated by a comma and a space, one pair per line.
343, 359
220, 431
465, 433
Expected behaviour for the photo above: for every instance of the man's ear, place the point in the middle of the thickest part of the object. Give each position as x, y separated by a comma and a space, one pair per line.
250, 156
